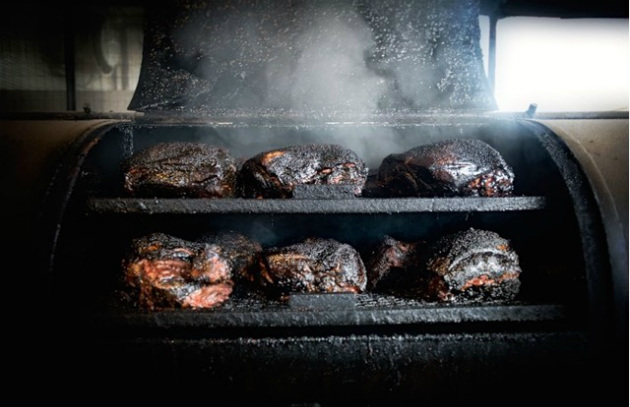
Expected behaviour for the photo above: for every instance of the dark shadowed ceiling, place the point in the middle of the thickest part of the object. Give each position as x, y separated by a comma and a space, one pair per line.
505, 8
556, 8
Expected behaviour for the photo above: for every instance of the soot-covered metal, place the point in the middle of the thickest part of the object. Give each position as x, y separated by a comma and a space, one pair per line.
314, 57
371, 348
376, 78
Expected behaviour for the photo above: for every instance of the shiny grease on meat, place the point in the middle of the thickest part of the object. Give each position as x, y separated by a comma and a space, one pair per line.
275, 173
181, 169
467, 266
313, 265
449, 168
472, 265
163, 271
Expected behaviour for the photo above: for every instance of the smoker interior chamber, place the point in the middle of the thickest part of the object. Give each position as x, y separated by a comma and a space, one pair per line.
377, 77
336, 348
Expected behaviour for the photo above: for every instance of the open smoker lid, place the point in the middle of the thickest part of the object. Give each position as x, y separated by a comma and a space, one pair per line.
363, 56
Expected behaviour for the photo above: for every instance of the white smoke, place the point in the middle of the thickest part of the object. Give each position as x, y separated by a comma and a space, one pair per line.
327, 68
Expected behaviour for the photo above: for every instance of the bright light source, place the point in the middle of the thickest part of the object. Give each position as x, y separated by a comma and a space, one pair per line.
562, 64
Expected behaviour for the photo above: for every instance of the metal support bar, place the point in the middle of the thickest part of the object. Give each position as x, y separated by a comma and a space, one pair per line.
69, 51
492, 50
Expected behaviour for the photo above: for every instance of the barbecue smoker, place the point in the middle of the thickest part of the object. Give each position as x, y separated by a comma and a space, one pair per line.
253, 76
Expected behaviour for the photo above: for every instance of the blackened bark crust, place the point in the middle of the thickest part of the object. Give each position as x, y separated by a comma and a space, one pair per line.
314, 265
163, 271
275, 173
181, 169
450, 168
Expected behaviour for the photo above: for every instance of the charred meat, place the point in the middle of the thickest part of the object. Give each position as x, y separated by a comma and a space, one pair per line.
313, 265
163, 271
275, 173
471, 266
181, 169
450, 168
243, 253
394, 264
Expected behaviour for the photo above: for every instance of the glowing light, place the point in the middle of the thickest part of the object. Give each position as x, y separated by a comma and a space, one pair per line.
562, 65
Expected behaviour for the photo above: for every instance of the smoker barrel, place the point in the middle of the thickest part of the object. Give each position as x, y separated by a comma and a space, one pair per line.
368, 348
376, 77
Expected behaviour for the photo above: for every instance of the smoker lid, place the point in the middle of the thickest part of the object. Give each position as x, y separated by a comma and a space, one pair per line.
312, 56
